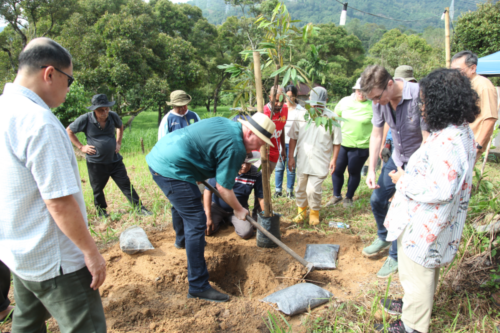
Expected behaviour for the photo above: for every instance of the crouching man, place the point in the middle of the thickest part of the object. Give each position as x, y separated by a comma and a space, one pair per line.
217, 210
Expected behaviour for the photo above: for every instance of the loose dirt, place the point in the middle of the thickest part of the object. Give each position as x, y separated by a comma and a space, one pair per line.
147, 292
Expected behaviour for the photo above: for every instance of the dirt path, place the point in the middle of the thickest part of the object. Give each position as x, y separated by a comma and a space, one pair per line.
147, 292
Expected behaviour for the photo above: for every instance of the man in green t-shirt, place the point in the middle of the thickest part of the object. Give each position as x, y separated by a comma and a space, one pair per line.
215, 147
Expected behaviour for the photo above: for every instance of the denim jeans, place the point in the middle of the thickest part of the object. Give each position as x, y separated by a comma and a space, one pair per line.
279, 172
190, 222
380, 203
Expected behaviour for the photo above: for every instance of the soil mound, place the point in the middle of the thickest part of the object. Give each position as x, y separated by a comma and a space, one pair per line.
147, 292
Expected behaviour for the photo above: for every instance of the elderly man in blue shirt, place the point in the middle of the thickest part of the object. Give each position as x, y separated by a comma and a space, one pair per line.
57, 268
215, 147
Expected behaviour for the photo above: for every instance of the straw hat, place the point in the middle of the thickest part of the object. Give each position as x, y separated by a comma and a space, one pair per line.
260, 125
179, 98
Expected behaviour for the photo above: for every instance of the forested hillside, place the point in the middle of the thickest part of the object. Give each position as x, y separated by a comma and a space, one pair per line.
416, 15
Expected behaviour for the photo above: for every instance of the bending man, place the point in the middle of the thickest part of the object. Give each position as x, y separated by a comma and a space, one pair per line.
215, 147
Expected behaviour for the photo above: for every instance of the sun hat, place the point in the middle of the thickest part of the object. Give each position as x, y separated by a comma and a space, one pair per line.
252, 157
179, 98
260, 125
404, 72
99, 101
318, 96
357, 86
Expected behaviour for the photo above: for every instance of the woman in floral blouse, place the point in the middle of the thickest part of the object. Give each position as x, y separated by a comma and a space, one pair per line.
428, 212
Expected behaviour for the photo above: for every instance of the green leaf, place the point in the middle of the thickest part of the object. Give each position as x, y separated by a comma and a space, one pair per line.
281, 70
294, 74
286, 78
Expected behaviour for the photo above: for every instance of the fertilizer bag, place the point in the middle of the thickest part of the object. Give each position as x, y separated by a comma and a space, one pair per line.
322, 256
134, 240
299, 298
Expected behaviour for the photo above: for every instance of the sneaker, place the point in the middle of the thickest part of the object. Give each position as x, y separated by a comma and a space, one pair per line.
290, 195
377, 246
102, 213
389, 267
333, 201
395, 327
277, 194
347, 203
211, 295
145, 212
180, 247
392, 306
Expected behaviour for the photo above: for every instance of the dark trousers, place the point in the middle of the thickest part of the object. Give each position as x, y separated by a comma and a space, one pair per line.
4, 286
380, 203
68, 298
99, 175
353, 159
190, 222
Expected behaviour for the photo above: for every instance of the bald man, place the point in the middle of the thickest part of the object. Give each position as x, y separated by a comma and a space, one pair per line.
57, 268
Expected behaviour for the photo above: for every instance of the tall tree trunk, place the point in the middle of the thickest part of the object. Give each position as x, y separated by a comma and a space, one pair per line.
159, 115
216, 92
207, 105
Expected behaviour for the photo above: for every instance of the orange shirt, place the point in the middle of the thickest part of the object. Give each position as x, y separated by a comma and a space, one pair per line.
487, 102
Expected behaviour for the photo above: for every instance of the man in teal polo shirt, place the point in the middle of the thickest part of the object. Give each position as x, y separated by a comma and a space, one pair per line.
215, 147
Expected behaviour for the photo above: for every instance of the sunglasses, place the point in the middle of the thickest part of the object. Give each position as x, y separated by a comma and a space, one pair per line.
70, 78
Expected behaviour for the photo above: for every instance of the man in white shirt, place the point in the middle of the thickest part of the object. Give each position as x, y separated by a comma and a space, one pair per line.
315, 145
57, 268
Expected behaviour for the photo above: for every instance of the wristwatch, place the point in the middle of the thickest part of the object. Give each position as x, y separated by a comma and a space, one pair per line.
478, 146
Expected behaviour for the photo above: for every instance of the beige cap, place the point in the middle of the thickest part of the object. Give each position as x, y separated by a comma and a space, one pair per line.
260, 125
179, 98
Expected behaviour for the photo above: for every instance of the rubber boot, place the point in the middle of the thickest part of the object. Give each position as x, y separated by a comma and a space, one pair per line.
301, 216
314, 217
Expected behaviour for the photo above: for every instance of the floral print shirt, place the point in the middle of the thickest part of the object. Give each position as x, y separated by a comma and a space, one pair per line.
432, 197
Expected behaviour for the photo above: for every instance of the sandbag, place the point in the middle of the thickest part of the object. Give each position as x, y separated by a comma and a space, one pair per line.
134, 240
299, 298
322, 256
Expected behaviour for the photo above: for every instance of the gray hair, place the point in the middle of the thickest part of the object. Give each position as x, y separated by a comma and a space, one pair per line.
470, 57
280, 90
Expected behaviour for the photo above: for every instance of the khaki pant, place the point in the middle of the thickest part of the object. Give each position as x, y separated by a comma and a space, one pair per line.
419, 284
308, 191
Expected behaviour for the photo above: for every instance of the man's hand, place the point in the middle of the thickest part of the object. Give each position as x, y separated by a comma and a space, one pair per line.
371, 180
97, 267
291, 163
241, 214
90, 150
396, 175
118, 147
283, 155
332, 166
210, 227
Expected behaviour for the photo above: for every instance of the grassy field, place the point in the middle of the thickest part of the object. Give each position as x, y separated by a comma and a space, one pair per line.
462, 301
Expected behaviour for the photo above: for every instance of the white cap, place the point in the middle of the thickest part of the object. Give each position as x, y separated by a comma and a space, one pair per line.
358, 84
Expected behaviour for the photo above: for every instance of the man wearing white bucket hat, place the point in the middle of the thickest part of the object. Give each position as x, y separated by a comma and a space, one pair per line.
215, 147
249, 179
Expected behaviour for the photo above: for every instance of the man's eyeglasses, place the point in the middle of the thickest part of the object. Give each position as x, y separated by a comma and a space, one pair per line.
380, 96
70, 78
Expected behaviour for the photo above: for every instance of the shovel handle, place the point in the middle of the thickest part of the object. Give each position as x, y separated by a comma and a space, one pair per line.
267, 233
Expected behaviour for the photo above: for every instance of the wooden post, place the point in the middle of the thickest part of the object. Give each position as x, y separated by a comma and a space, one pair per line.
264, 149
447, 36
142, 146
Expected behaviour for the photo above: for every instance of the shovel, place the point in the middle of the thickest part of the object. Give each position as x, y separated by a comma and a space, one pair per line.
309, 266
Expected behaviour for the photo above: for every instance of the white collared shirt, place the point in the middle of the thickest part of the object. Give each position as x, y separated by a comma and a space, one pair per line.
38, 163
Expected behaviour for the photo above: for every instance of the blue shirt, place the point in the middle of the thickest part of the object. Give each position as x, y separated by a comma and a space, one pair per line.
173, 121
389, 135
209, 148
243, 186
407, 127
38, 163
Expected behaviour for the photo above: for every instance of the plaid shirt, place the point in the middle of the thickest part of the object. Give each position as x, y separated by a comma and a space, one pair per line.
38, 163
